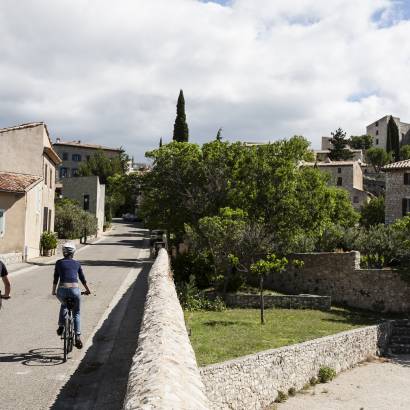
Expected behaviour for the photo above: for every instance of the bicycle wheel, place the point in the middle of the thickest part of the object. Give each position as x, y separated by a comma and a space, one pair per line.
66, 339
70, 333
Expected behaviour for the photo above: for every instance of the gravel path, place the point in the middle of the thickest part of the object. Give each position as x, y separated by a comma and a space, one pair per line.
379, 385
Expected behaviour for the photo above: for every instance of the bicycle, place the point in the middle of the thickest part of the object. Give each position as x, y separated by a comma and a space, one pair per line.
68, 332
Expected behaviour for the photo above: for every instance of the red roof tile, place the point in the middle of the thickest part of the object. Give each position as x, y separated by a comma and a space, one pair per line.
11, 182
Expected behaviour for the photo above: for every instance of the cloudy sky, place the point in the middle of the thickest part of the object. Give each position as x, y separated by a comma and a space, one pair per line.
110, 72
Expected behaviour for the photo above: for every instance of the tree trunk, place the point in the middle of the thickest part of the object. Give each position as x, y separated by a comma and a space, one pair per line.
262, 301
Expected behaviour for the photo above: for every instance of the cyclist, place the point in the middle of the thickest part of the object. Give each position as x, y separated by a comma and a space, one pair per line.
6, 282
66, 274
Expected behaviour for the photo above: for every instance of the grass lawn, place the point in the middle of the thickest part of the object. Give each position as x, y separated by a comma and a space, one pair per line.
219, 336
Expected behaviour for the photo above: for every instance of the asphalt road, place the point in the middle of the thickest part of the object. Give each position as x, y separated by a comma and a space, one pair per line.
32, 373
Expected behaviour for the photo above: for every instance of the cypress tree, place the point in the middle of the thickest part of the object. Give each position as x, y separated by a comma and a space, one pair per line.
393, 139
219, 135
160, 142
181, 132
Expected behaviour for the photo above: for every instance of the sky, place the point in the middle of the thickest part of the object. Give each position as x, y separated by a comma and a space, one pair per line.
110, 72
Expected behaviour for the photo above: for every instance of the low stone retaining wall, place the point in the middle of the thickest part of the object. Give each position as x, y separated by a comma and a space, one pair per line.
164, 373
253, 382
10, 258
277, 301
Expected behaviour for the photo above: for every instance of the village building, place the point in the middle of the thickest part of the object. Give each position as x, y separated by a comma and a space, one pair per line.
73, 153
89, 194
397, 199
378, 131
27, 189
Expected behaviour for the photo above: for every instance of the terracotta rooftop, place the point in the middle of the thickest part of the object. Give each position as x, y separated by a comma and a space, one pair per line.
10, 182
398, 165
82, 145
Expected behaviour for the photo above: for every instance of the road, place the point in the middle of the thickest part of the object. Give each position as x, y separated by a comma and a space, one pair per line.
31, 369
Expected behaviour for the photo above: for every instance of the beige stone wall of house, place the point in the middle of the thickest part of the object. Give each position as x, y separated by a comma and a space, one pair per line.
12, 240
21, 150
48, 193
396, 191
33, 222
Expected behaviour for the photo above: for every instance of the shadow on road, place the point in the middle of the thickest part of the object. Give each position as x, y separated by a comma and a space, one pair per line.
35, 357
100, 381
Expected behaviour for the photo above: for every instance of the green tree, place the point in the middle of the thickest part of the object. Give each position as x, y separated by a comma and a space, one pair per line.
264, 267
372, 213
181, 132
339, 142
378, 158
393, 139
363, 142
405, 152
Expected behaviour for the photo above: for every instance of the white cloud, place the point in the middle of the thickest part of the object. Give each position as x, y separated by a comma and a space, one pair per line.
262, 69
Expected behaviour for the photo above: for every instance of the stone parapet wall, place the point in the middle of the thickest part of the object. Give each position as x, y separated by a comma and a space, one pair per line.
253, 382
339, 275
164, 372
277, 301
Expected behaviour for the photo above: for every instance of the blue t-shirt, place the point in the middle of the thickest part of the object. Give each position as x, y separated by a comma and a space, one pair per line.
68, 270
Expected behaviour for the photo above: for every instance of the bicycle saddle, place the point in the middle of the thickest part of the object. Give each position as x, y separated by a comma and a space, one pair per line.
69, 302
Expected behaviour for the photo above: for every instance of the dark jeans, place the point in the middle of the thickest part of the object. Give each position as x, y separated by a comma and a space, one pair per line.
62, 294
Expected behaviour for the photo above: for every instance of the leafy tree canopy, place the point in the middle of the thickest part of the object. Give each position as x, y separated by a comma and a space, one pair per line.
363, 142
405, 152
378, 158
372, 213
339, 152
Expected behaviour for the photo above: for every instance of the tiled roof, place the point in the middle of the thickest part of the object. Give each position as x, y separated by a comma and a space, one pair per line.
82, 145
11, 182
397, 165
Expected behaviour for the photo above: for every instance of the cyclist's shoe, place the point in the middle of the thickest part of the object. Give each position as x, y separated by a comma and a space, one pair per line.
78, 342
60, 330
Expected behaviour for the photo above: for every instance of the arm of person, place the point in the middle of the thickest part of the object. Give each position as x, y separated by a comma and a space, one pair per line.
55, 280
7, 287
83, 281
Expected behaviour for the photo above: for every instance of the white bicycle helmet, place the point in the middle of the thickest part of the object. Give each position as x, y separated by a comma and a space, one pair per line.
68, 249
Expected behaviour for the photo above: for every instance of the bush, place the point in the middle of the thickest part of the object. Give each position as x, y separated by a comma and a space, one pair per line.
282, 397
48, 241
326, 374
72, 222
192, 299
292, 392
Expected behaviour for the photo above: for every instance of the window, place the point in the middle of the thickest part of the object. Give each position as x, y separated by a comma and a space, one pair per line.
49, 220
377, 141
76, 157
377, 123
405, 206
339, 181
2, 222
88, 157
75, 172
339, 170
65, 156
355, 199
45, 173
63, 172
45, 219
377, 132
51, 178
86, 203
406, 178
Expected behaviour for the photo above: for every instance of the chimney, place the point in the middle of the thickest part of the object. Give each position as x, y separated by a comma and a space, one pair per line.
58, 139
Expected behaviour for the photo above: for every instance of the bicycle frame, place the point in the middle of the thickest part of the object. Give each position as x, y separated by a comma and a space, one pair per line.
68, 333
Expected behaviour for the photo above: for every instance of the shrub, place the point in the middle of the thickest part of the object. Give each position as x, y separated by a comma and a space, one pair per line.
282, 397
48, 240
313, 381
72, 222
326, 374
292, 392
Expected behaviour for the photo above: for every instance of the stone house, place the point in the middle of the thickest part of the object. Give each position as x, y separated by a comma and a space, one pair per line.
89, 193
27, 189
397, 199
378, 131
73, 153
347, 175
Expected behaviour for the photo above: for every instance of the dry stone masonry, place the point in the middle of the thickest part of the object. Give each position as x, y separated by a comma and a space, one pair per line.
253, 382
164, 373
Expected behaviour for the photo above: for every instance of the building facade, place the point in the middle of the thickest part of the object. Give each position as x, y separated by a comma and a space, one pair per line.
378, 131
397, 199
27, 170
90, 195
74, 153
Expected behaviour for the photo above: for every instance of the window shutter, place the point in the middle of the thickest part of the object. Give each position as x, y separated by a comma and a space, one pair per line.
404, 206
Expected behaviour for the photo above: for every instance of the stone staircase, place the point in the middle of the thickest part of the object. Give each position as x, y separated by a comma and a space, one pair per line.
400, 337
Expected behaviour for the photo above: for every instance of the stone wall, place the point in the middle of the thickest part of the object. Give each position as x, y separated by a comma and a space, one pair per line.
396, 191
252, 382
10, 258
339, 275
164, 373
276, 301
